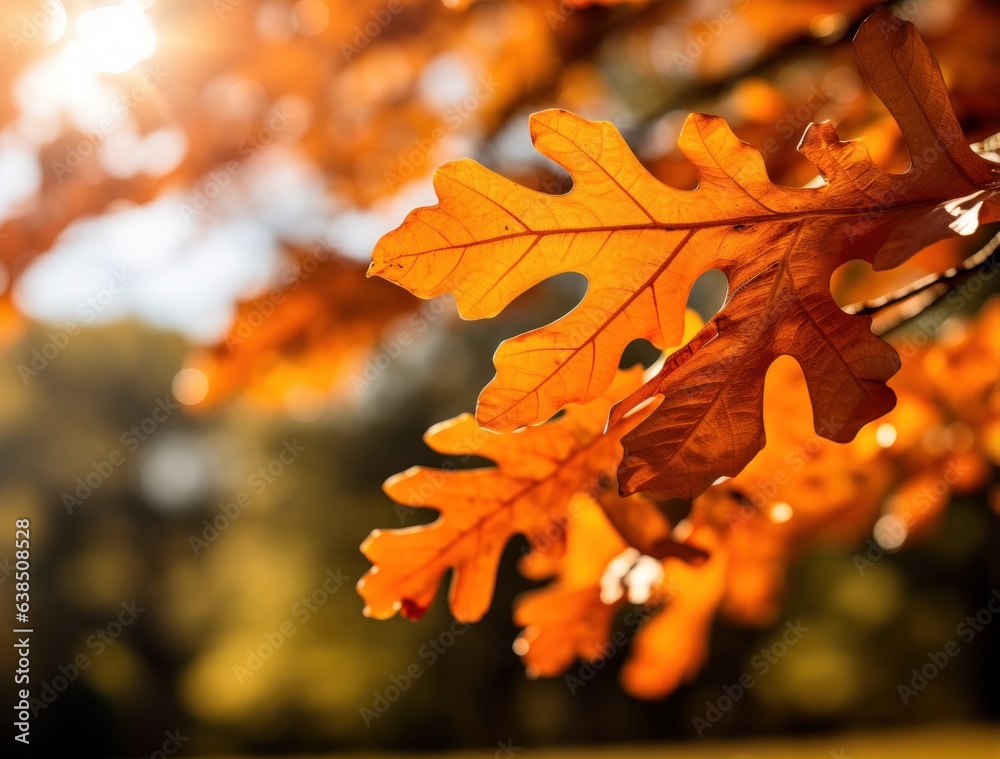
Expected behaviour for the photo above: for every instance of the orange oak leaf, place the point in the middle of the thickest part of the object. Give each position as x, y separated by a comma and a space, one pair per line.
567, 620
538, 471
572, 618
641, 244
672, 646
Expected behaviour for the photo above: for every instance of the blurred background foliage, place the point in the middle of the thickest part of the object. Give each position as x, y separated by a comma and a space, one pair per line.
247, 302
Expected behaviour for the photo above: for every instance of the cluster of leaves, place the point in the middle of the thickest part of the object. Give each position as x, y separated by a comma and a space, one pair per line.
579, 487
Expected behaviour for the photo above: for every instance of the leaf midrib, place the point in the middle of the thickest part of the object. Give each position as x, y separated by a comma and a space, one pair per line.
677, 227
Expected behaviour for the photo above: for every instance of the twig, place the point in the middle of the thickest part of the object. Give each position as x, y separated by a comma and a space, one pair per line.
925, 291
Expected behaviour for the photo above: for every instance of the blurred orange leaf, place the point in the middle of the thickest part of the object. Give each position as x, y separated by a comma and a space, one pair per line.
310, 331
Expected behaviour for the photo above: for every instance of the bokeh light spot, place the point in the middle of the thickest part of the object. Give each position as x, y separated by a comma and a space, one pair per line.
890, 532
190, 386
780, 512
885, 435
116, 38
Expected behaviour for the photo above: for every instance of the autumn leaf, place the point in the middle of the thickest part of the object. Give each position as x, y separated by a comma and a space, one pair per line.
305, 334
538, 472
572, 617
642, 244
541, 471
963, 374
672, 646
566, 619
802, 491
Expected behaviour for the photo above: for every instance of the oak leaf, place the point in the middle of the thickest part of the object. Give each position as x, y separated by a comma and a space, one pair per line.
642, 244
672, 646
538, 472
566, 619
573, 618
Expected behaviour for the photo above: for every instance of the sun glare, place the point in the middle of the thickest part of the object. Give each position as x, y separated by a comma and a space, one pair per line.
114, 39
